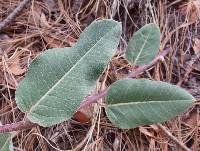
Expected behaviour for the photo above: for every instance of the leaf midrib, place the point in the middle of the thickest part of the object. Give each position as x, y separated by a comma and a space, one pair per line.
138, 56
135, 103
7, 140
52, 88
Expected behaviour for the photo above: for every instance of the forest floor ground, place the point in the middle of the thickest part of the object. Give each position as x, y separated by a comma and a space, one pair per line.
58, 23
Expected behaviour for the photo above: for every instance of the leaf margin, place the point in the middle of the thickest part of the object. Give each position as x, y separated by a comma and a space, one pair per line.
21, 107
116, 120
129, 54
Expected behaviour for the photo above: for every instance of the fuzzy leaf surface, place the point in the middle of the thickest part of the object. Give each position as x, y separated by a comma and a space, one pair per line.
5, 141
144, 45
136, 102
60, 78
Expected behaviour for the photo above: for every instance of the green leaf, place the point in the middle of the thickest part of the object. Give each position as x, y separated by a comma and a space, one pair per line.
5, 142
144, 45
59, 79
137, 102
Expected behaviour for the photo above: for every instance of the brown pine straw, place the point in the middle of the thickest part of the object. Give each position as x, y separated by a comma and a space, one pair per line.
27, 34
178, 142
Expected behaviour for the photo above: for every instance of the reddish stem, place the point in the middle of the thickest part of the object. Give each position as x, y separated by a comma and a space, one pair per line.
16, 126
89, 100
143, 68
93, 99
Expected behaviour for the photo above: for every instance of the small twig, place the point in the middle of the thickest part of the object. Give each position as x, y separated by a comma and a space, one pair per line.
94, 98
189, 69
181, 144
17, 126
12, 16
89, 100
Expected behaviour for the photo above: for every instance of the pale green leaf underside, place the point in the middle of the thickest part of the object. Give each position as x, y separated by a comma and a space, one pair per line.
136, 102
5, 141
144, 45
59, 79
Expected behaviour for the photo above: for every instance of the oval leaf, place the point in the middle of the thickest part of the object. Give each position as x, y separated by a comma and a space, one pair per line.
144, 45
137, 102
5, 142
59, 79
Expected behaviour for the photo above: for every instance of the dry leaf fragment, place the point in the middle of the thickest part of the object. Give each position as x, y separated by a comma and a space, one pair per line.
36, 14
14, 65
155, 127
3, 45
192, 10
43, 21
16, 69
70, 40
146, 132
38, 17
59, 41
196, 46
192, 121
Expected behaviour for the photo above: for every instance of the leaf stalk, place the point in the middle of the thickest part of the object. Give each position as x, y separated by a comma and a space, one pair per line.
22, 125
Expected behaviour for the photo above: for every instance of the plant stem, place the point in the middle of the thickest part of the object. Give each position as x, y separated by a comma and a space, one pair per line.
143, 68
89, 100
15, 12
17, 126
93, 99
